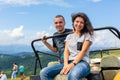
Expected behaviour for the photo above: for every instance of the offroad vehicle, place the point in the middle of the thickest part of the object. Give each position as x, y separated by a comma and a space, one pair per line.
104, 55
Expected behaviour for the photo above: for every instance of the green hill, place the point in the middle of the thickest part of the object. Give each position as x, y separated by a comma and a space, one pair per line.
28, 60
6, 62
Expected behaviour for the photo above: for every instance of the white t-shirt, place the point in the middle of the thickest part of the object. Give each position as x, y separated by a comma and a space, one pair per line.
4, 77
72, 45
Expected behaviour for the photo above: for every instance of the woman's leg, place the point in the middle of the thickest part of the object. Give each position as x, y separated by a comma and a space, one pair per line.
79, 71
13, 75
48, 73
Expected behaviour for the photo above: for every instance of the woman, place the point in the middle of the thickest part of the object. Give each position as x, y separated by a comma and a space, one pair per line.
14, 71
76, 56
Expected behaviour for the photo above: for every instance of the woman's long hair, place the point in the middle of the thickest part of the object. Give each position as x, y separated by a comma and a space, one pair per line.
88, 28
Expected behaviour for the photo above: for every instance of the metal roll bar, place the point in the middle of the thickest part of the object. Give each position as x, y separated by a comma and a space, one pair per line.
112, 29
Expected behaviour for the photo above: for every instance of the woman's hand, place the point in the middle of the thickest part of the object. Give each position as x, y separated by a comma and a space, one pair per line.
67, 68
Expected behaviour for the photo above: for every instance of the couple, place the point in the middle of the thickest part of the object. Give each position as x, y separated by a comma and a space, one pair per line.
75, 51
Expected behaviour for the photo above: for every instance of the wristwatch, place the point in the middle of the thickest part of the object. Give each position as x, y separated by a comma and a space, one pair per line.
74, 63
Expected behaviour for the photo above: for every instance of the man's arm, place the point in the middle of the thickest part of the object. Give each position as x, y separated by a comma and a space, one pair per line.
54, 49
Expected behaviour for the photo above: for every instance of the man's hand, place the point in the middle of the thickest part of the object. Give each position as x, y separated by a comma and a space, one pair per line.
43, 39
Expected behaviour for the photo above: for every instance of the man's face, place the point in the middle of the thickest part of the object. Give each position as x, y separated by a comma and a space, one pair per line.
59, 24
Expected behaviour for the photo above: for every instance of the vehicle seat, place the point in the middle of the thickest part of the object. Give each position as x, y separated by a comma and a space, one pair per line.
110, 65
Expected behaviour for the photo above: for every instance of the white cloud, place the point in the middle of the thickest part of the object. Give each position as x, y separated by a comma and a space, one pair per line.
16, 36
15, 33
95, 0
11, 36
105, 39
20, 2
41, 34
61, 3
52, 28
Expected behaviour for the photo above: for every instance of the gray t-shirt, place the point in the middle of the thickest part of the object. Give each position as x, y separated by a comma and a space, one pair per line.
59, 41
73, 40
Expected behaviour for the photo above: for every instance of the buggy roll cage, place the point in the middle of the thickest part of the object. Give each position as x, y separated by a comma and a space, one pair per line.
115, 31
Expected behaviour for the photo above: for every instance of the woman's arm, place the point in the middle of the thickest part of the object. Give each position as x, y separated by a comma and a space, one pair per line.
66, 54
82, 53
66, 58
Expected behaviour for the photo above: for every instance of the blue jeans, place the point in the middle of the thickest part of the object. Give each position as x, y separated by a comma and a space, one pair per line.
13, 74
79, 71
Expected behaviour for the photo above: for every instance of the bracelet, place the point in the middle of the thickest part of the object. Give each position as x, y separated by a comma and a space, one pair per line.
74, 63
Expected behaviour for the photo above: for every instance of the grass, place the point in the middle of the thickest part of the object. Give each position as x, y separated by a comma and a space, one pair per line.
27, 78
104, 53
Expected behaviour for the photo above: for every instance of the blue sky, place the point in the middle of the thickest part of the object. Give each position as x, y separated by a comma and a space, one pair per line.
22, 21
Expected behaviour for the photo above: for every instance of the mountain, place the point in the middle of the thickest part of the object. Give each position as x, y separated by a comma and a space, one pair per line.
27, 59
15, 49
20, 49
6, 62
27, 49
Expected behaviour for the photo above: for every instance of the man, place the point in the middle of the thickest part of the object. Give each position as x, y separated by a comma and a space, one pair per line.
58, 42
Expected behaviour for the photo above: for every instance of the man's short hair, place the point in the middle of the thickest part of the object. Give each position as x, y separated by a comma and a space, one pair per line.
57, 16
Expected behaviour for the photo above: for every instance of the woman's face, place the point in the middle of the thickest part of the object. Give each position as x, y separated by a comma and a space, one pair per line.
78, 23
